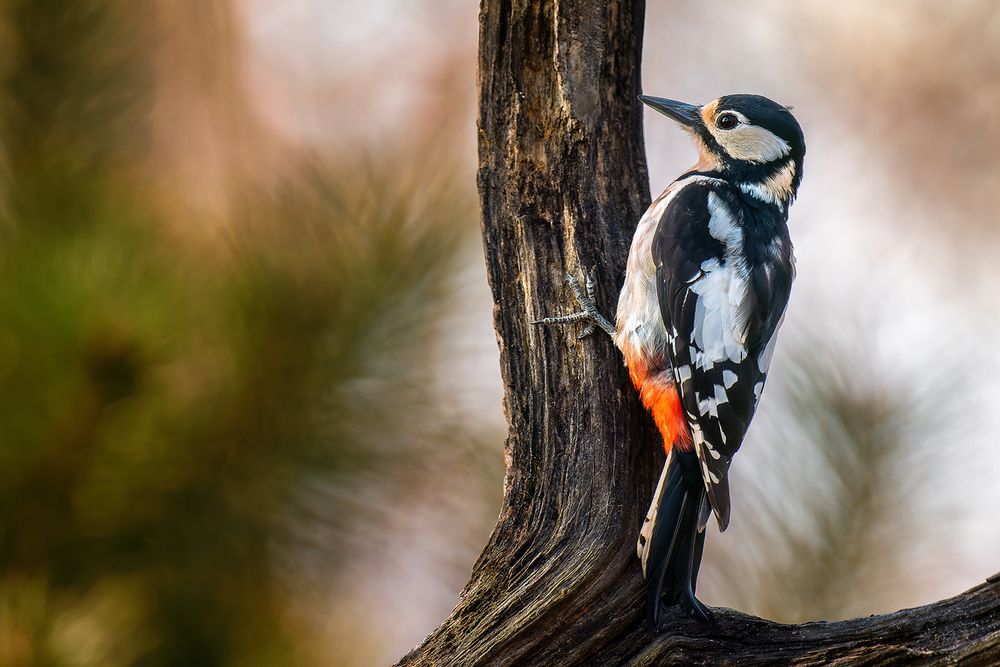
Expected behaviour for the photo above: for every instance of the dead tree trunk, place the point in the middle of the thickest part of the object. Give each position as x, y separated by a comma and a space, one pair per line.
562, 180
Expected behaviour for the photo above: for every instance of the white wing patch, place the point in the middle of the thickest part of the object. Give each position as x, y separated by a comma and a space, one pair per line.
721, 290
722, 226
718, 314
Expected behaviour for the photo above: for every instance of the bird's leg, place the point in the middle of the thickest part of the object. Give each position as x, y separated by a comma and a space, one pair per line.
589, 314
691, 605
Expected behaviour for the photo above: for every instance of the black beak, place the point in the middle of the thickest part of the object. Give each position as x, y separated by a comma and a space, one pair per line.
686, 114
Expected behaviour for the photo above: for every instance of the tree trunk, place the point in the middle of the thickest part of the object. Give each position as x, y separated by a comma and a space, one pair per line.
563, 182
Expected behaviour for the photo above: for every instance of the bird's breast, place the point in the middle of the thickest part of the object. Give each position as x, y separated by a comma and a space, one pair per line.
641, 334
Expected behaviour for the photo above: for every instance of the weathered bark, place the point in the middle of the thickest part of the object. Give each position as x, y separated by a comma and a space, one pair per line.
563, 182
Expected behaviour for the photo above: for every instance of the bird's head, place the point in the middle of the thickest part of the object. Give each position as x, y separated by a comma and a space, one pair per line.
748, 139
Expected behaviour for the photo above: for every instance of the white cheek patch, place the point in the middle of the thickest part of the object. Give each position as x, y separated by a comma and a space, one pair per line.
751, 143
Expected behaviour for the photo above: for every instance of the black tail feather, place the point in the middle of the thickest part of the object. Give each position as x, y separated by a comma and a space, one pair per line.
676, 544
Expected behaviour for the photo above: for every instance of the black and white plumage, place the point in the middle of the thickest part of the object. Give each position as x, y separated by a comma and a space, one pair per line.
707, 282
714, 253
723, 275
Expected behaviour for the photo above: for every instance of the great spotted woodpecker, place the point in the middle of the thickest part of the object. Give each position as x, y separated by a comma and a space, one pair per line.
706, 284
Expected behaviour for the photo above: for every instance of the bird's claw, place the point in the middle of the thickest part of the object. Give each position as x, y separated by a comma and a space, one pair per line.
689, 605
589, 313
659, 623
693, 608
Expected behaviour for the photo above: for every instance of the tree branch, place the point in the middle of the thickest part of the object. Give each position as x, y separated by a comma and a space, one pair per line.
563, 182
961, 630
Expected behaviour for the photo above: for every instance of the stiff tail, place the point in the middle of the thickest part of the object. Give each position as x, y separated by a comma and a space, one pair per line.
672, 539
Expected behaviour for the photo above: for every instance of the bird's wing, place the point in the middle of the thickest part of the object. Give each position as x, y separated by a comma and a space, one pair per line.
721, 318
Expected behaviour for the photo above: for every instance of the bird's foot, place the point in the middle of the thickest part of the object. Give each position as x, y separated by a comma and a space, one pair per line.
659, 623
693, 608
590, 315
689, 605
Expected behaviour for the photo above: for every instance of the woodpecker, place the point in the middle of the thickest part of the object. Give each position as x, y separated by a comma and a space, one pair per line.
707, 280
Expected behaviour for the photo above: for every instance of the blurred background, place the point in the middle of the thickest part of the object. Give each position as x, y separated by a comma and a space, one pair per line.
249, 389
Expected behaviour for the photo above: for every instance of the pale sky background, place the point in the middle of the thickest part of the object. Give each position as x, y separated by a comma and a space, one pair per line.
913, 272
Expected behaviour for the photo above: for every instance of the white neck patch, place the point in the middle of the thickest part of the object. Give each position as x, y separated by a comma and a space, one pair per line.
775, 189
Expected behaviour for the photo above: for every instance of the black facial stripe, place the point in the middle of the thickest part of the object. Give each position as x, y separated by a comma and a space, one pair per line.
742, 171
711, 143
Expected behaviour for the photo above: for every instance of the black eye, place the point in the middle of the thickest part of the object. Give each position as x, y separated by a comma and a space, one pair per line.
727, 121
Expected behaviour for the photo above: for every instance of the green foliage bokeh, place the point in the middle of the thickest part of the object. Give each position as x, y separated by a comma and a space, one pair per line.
161, 399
